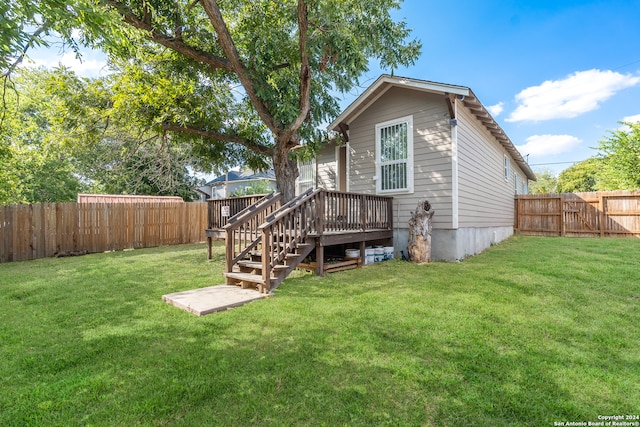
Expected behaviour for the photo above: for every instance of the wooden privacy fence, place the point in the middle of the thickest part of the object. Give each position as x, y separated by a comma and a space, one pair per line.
604, 214
58, 229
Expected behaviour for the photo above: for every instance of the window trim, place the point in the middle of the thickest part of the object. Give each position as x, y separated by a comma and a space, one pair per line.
507, 168
311, 181
409, 161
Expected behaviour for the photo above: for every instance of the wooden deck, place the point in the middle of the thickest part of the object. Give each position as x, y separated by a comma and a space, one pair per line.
294, 232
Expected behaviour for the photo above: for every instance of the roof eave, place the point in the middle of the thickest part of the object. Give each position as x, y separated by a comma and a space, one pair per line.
385, 81
364, 100
480, 112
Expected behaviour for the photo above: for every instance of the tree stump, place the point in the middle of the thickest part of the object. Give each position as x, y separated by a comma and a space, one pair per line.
420, 233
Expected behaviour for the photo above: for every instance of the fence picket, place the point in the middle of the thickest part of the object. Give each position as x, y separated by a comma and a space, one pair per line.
49, 229
604, 214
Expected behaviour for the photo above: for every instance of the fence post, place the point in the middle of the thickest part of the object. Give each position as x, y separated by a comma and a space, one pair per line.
516, 219
602, 202
563, 223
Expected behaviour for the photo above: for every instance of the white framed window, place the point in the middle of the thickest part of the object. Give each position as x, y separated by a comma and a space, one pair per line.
394, 156
306, 175
521, 184
507, 167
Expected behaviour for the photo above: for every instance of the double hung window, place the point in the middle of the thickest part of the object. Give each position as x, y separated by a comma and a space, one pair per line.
394, 156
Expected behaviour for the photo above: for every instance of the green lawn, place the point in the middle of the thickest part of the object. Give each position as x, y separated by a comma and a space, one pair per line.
532, 332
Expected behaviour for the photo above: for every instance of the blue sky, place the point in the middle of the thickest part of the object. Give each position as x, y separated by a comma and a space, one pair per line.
556, 75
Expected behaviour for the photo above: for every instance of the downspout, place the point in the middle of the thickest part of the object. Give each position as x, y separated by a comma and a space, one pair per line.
454, 166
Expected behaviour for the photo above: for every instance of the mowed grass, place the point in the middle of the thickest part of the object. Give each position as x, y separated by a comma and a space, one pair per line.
532, 332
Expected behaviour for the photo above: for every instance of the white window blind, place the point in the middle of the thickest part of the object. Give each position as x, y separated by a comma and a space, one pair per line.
306, 175
394, 156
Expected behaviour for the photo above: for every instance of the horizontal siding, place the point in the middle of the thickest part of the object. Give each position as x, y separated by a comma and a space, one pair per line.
485, 198
431, 150
327, 167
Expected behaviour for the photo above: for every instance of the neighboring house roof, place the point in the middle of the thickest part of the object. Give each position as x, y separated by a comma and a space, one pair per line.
465, 94
242, 176
122, 198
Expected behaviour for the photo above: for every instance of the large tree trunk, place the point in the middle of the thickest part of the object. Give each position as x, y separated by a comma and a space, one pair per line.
286, 170
420, 233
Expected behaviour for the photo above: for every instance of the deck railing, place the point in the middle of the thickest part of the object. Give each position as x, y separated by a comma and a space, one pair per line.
221, 210
354, 212
278, 231
241, 230
286, 229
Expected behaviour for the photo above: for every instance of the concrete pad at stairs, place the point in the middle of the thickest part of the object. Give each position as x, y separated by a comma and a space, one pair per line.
213, 298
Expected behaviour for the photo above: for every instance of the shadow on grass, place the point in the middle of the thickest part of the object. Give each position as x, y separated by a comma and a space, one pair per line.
241, 372
391, 344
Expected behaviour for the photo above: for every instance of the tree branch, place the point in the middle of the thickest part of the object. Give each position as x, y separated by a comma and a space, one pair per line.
253, 146
6, 76
226, 43
174, 43
305, 69
44, 27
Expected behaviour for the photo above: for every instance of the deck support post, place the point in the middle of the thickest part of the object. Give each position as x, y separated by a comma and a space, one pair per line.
319, 260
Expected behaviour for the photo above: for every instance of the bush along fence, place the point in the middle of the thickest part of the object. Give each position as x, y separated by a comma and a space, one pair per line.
604, 214
62, 229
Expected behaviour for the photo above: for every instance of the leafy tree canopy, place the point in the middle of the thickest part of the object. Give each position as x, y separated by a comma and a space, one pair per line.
64, 135
546, 183
581, 177
620, 151
34, 169
242, 81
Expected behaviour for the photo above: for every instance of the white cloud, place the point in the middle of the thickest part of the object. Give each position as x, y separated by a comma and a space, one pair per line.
89, 65
629, 119
578, 93
496, 109
82, 66
539, 145
632, 119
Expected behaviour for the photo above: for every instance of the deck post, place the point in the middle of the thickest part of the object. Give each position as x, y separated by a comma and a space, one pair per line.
321, 212
229, 246
267, 253
319, 259
209, 244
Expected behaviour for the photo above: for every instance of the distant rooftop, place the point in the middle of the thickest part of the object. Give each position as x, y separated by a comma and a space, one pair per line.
242, 176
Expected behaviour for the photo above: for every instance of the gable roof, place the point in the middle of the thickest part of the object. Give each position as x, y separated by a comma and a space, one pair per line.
242, 176
465, 94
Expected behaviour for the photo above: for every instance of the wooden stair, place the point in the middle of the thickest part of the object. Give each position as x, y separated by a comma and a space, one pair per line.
285, 237
248, 273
